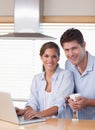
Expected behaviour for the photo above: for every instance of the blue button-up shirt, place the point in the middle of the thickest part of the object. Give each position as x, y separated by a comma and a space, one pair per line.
85, 84
62, 86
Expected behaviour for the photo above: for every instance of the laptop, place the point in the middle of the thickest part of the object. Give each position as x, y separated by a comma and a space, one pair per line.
8, 113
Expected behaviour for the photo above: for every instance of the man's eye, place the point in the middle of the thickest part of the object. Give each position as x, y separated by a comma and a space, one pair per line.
46, 55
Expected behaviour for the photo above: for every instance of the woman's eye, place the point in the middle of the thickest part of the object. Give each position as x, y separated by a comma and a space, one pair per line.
51, 56
54, 56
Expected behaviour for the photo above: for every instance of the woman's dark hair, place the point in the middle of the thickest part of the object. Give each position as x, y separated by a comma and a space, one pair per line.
72, 34
48, 45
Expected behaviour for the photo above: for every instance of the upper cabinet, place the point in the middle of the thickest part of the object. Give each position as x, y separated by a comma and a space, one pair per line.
55, 7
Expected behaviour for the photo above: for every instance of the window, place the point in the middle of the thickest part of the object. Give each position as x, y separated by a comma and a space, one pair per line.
20, 60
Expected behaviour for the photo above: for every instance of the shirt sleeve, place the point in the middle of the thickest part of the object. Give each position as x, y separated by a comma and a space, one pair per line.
33, 99
65, 88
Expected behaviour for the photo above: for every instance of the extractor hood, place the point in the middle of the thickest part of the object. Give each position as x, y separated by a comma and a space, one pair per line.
27, 17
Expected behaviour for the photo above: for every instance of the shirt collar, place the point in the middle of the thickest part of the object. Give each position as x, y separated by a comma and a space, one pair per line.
90, 62
54, 77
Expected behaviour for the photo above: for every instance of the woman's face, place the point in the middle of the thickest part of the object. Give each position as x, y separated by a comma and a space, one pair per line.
50, 59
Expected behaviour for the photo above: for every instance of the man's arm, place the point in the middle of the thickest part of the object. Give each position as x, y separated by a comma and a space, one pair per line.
81, 103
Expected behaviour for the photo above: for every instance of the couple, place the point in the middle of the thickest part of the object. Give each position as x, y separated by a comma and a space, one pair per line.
50, 88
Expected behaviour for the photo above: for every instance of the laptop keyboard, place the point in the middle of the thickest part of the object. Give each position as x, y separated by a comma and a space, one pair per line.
21, 118
24, 121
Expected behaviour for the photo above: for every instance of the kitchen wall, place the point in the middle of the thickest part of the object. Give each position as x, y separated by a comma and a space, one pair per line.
69, 7
16, 60
55, 7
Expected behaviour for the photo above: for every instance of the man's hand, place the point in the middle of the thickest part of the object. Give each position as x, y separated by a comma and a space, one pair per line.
79, 104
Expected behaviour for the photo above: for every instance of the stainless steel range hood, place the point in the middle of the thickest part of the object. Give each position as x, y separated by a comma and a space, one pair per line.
27, 17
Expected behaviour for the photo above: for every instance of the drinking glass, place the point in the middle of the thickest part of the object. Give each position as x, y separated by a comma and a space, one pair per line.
73, 96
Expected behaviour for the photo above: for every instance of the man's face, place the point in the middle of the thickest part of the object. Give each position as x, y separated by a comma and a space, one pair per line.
74, 52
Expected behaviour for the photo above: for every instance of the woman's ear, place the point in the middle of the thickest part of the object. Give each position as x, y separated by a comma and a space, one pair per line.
41, 57
58, 58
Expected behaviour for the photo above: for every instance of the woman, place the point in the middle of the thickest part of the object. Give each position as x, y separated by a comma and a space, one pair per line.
49, 88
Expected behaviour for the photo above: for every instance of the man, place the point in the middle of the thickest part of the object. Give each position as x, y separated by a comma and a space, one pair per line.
82, 64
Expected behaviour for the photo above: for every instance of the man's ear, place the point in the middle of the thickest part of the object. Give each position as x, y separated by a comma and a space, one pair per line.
84, 44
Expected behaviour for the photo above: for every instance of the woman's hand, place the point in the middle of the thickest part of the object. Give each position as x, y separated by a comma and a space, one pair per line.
30, 114
19, 111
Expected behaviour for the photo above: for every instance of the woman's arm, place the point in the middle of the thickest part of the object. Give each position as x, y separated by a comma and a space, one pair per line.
45, 113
